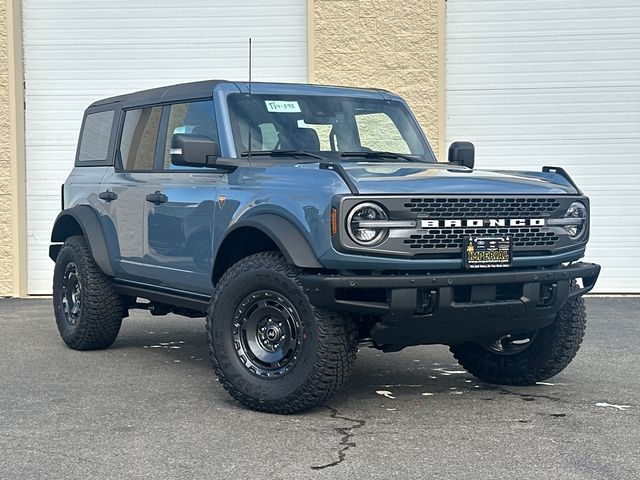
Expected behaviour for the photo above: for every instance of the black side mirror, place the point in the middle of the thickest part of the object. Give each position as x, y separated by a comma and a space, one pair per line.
193, 150
462, 153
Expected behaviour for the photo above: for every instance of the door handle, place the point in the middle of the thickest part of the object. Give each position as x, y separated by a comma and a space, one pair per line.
108, 196
157, 198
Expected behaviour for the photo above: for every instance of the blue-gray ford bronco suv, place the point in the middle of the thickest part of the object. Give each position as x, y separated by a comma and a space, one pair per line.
303, 221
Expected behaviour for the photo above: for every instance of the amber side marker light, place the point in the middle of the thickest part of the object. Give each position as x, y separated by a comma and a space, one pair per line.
334, 221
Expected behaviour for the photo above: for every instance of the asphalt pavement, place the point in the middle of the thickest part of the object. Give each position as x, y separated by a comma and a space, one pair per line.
150, 407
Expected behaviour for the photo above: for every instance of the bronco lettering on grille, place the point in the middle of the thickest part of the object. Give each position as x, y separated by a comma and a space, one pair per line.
484, 222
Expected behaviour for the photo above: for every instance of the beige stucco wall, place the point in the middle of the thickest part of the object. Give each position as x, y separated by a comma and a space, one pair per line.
12, 212
6, 197
396, 45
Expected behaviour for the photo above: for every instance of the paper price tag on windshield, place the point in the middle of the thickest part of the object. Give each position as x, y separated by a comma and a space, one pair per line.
282, 106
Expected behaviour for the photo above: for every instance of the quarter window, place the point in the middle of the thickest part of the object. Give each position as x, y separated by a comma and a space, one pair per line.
139, 136
94, 144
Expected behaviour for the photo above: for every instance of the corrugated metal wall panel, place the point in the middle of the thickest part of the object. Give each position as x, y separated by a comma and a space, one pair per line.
78, 51
536, 83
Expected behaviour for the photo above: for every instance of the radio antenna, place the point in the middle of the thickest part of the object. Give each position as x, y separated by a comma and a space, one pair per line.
250, 107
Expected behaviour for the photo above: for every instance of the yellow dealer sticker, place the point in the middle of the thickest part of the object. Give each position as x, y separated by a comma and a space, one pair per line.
487, 252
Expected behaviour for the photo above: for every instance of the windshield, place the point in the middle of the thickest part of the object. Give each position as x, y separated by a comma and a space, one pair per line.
336, 128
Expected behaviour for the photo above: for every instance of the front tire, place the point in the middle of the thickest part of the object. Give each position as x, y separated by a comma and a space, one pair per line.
549, 352
87, 308
270, 348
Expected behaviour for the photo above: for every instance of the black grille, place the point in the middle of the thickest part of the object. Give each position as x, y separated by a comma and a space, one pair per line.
452, 237
503, 207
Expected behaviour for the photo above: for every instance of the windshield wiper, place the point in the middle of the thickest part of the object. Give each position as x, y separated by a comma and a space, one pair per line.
280, 153
379, 155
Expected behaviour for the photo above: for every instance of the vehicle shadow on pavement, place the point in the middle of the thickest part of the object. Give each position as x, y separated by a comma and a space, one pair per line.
416, 374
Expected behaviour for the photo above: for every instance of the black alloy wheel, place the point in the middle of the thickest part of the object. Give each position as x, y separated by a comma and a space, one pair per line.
511, 344
71, 293
267, 333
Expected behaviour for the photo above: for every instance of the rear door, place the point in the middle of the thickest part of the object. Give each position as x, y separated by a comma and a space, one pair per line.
124, 188
178, 240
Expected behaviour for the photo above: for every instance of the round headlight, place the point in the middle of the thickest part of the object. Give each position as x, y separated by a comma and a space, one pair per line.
361, 223
578, 212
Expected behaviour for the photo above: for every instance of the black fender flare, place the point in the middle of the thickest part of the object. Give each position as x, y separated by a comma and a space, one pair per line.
284, 234
87, 218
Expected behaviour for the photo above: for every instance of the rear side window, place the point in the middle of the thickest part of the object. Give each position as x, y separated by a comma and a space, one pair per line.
94, 143
139, 136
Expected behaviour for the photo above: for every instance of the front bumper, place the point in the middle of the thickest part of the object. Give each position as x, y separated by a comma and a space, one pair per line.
452, 308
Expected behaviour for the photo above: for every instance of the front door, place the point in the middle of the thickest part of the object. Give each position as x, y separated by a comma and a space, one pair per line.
178, 240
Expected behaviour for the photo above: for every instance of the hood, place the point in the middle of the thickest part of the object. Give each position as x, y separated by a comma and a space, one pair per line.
409, 178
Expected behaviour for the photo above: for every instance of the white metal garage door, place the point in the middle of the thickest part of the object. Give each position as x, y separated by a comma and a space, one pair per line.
544, 82
78, 51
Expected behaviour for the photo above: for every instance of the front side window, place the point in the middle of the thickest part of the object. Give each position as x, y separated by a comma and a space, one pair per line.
139, 136
326, 126
195, 118
96, 132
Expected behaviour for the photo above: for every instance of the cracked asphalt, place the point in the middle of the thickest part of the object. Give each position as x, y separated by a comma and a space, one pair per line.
150, 407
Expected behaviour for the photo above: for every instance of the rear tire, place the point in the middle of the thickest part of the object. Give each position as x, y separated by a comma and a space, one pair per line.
87, 308
551, 349
270, 348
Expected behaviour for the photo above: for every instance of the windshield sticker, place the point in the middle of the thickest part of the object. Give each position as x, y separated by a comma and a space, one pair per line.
282, 106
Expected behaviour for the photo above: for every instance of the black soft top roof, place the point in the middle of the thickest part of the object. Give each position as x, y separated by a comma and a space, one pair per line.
204, 89
163, 94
